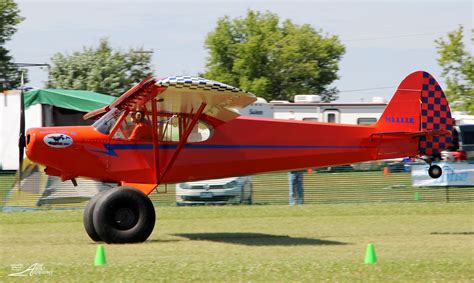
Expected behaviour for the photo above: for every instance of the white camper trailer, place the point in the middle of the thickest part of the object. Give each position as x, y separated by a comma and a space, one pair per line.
310, 108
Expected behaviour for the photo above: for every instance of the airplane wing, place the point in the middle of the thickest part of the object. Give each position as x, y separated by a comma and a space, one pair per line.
134, 97
183, 95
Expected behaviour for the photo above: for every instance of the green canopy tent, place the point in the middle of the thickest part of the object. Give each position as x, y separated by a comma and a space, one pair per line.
79, 100
64, 107
59, 107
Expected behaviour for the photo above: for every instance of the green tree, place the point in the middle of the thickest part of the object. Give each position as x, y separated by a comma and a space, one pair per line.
100, 69
9, 19
458, 70
271, 59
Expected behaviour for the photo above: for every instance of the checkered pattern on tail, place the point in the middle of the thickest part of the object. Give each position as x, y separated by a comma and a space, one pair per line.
435, 115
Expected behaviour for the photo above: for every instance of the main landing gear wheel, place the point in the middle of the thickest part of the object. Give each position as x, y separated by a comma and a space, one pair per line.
435, 171
124, 215
88, 215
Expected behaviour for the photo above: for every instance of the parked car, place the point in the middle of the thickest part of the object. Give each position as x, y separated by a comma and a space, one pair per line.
216, 191
463, 144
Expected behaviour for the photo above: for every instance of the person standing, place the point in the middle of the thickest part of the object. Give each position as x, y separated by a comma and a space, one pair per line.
296, 189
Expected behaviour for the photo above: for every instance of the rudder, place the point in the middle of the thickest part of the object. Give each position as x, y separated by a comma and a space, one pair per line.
435, 116
420, 106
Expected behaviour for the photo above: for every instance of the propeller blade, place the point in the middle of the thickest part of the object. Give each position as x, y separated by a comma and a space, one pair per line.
21, 140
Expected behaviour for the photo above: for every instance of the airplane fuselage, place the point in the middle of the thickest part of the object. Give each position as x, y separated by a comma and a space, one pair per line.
243, 146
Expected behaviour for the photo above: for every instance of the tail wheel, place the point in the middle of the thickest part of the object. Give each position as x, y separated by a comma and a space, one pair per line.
124, 215
88, 215
435, 171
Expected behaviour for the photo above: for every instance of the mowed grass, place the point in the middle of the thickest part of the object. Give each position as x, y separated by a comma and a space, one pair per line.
413, 241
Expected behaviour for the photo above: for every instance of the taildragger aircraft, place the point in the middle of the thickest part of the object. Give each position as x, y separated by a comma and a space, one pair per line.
181, 129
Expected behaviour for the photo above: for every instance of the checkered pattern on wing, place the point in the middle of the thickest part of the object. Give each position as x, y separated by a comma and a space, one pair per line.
435, 115
196, 83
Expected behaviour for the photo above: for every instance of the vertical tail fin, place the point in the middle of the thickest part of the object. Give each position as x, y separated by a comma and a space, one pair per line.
419, 105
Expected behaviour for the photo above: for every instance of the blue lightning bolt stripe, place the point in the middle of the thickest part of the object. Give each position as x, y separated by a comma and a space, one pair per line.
110, 149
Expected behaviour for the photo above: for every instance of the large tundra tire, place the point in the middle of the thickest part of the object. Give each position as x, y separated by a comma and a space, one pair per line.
124, 215
88, 217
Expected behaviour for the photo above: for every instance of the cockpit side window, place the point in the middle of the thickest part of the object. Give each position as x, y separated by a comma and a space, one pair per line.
136, 126
201, 132
172, 128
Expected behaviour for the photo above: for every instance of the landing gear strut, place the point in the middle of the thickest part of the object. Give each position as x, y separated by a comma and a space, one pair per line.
120, 215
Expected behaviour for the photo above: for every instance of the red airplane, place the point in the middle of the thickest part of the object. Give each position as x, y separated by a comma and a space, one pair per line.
182, 129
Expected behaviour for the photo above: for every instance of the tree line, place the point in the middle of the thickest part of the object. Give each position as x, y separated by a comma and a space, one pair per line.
259, 53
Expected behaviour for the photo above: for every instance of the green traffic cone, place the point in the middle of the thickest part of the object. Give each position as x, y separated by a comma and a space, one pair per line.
100, 256
417, 196
370, 257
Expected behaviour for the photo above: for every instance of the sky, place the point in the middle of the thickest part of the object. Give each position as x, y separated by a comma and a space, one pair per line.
385, 40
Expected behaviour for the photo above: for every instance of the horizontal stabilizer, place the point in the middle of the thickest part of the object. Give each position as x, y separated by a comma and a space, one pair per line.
414, 134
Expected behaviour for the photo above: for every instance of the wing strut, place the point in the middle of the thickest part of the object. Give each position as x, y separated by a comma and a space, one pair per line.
183, 140
156, 144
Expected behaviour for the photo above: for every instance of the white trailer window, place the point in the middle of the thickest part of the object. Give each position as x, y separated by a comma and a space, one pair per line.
366, 121
332, 116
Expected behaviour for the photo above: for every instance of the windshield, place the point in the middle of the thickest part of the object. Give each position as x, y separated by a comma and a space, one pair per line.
106, 122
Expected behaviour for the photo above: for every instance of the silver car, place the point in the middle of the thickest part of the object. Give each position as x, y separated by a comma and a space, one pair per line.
462, 147
216, 191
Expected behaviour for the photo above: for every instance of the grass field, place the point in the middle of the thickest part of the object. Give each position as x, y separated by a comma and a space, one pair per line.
326, 242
